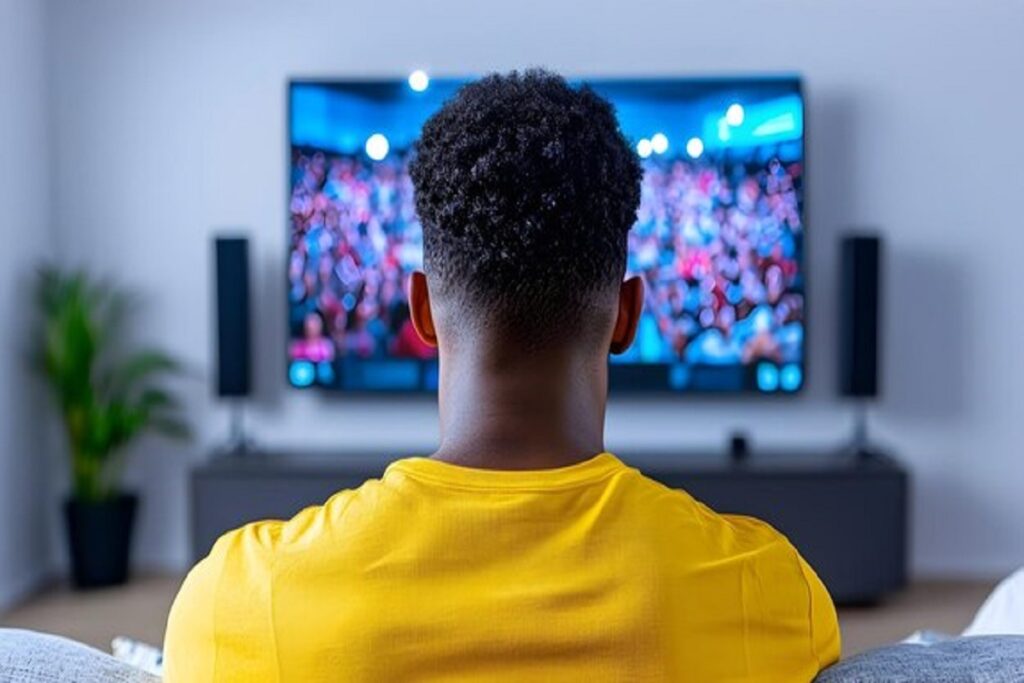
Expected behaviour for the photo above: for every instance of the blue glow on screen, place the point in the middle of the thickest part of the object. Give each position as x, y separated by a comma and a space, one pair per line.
791, 377
679, 376
772, 121
301, 373
431, 377
382, 375
767, 377
325, 373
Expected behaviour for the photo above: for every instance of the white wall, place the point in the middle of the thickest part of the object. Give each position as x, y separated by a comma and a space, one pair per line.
25, 237
170, 123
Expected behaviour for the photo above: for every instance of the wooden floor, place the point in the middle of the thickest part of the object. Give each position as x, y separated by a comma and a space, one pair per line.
139, 610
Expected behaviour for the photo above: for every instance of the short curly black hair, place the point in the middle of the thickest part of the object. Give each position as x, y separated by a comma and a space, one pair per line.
526, 189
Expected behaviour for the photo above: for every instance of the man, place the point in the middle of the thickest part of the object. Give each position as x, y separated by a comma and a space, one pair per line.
520, 550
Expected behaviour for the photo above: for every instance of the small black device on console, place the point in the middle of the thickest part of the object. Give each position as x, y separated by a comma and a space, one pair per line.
234, 354
739, 447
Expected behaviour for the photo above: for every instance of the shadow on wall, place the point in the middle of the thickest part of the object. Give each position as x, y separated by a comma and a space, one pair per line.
269, 313
29, 437
926, 335
829, 208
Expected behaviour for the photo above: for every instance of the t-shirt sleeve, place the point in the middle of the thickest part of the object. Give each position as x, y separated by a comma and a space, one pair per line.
221, 623
825, 637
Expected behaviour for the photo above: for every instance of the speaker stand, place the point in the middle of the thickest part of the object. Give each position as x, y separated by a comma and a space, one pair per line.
860, 442
239, 442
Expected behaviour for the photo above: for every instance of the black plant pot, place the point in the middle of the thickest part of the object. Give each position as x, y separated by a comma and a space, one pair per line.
100, 539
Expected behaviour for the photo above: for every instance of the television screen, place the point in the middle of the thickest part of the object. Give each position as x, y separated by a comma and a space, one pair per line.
718, 238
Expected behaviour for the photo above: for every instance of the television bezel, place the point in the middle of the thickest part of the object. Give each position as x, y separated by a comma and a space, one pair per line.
620, 389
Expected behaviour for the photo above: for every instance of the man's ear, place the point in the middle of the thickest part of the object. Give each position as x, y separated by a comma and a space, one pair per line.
631, 303
419, 309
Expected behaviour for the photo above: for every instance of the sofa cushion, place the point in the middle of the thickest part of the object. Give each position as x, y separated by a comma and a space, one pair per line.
29, 657
988, 659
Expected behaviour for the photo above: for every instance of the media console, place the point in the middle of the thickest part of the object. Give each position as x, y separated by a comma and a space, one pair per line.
847, 515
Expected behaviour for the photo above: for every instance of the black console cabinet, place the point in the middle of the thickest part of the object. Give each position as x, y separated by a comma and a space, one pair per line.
847, 515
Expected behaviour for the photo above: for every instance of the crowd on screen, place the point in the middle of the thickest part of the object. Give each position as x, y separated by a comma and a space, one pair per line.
355, 239
718, 247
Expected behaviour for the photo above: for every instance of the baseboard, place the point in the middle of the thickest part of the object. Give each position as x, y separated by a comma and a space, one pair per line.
14, 592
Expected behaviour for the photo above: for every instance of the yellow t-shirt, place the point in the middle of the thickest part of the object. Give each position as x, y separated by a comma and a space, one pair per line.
437, 572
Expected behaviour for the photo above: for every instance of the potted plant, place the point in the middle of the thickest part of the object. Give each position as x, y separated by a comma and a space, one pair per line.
107, 396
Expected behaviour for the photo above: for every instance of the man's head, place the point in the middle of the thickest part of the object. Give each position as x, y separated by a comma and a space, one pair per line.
526, 189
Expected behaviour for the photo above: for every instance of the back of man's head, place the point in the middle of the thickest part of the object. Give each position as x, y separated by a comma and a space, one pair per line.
526, 189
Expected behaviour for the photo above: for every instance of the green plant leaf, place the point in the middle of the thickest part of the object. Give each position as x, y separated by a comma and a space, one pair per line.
172, 427
107, 398
127, 376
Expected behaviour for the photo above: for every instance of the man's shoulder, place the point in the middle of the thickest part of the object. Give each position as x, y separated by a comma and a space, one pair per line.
678, 508
262, 539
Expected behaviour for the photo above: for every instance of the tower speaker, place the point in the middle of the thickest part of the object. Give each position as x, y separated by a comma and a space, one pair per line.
859, 314
234, 354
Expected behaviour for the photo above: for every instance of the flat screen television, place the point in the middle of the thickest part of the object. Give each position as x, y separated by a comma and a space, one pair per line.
719, 235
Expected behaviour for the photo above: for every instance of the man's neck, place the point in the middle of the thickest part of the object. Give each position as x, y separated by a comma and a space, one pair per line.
540, 412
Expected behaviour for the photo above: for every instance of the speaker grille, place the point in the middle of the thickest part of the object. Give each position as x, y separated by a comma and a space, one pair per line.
233, 352
860, 293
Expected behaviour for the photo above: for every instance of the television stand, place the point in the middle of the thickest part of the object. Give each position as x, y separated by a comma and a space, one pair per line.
845, 513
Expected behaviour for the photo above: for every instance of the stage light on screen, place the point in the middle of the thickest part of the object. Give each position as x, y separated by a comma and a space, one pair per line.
734, 114
779, 125
724, 130
377, 147
644, 148
694, 147
418, 80
659, 143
